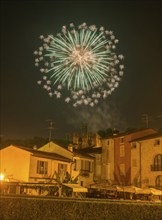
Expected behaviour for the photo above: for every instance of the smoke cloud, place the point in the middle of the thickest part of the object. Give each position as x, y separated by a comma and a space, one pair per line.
97, 118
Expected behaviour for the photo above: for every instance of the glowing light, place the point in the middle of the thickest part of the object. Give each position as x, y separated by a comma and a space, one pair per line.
1, 177
81, 60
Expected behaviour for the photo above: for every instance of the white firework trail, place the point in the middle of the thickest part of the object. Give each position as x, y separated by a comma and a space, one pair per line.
81, 60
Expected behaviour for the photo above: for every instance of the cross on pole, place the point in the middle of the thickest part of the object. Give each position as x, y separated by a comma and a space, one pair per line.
50, 128
146, 119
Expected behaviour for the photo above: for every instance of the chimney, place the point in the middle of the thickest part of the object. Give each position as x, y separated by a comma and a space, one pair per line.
35, 147
70, 147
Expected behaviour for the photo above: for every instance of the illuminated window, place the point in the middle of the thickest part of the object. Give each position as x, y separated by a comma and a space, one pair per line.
158, 181
42, 167
122, 151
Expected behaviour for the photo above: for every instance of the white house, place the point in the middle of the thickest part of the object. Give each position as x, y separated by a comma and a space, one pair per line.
82, 167
24, 164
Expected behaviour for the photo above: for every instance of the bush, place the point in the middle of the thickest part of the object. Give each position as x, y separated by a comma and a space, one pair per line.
50, 208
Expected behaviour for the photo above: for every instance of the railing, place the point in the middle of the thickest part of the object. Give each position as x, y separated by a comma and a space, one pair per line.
156, 167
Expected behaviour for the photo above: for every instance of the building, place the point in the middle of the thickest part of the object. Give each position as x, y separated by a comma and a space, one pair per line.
84, 138
82, 167
116, 156
107, 159
95, 152
146, 161
24, 164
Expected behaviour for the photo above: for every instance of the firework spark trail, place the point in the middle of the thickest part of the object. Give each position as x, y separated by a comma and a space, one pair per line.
81, 61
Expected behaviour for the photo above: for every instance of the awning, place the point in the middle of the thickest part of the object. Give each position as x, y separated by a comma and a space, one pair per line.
76, 187
129, 189
136, 190
156, 192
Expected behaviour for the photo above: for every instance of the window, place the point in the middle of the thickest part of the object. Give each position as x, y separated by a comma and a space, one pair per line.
122, 140
158, 181
122, 169
157, 165
75, 164
122, 151
86, 165
108, 142
157, 142
62, 168
158, 160
42, 167
134, 145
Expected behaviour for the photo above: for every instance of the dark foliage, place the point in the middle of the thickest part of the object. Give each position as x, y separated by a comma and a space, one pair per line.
73, 209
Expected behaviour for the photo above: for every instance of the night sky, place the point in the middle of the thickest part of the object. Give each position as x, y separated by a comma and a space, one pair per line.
26, 107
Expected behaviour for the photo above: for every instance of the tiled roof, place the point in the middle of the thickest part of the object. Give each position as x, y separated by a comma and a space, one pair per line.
128, 133
150, 136
81, 154
44, 154
76, 152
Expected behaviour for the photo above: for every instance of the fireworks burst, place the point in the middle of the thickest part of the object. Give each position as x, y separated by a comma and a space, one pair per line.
81, 61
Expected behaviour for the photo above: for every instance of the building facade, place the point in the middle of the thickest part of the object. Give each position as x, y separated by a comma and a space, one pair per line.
116, 156
146, 161
29, 165
107, 160
82, 166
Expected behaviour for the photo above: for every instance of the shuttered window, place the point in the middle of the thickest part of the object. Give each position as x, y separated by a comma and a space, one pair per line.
122, 151
62, 168
42, 167
86, 165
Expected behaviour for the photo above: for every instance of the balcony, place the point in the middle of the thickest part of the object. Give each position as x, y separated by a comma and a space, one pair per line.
156, 167
84, 173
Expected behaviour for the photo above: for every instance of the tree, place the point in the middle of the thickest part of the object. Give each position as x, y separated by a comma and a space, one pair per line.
107, 132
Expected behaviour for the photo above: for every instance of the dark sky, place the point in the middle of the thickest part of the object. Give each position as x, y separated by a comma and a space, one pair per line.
25, 106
